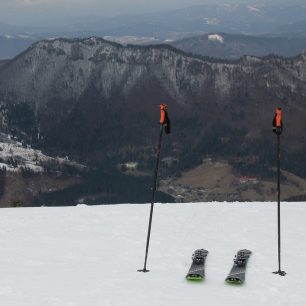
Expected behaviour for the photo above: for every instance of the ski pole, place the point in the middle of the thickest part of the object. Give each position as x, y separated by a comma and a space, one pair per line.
277, 129
164, 122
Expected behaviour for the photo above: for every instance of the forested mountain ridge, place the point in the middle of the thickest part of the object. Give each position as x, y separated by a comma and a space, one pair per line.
95, 101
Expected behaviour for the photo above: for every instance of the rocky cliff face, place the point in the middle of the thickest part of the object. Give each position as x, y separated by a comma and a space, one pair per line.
107, 96
65, 69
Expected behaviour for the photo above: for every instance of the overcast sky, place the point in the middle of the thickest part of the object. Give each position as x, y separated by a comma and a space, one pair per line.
31, 11
19, 11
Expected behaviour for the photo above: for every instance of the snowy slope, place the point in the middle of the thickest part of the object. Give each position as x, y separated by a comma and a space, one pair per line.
88, 256
33, 159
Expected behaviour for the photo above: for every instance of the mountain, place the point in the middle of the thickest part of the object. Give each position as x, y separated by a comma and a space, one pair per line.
233, 46
97, 102
27, 174
222, 45
231, 18
217, 180
284, 19
294, 27
259, 18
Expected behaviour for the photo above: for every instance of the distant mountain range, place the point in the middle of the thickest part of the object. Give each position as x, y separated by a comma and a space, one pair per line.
12, 45
229, 18
286, 21
220, 45
293, 27
224, 45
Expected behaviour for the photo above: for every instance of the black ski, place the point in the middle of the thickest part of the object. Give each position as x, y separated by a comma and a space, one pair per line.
237, 273
197, 269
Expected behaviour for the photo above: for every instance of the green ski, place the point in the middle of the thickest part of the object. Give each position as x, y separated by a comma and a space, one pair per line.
197, 269
237, 273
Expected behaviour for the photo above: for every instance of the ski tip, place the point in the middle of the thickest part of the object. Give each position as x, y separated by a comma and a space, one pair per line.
233, 281
194, 277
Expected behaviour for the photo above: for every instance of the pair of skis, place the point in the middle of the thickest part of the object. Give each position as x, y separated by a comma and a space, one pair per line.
235, 276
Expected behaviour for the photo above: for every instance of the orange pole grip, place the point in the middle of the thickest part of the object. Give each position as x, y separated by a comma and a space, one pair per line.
163, 108
278, 117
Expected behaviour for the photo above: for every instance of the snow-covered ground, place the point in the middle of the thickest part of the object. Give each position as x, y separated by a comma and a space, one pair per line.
89, 255
26, 156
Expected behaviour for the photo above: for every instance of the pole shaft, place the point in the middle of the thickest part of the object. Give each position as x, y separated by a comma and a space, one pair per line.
153, 194
278, 202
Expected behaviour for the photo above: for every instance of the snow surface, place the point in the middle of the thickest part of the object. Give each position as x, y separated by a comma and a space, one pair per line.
88, 255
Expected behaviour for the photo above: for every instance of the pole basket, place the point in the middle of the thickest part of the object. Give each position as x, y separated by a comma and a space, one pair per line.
281, 273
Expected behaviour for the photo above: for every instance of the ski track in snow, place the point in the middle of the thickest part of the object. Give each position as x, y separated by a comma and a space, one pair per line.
89, 255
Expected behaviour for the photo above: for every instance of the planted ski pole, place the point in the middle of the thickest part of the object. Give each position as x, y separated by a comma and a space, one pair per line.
164, 124
277, 129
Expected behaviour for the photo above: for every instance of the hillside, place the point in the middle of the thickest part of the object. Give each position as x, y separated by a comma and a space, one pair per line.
218, 181
27, 174
90, 255
97, 103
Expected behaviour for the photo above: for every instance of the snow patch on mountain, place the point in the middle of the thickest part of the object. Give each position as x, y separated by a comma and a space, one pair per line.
216, 37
